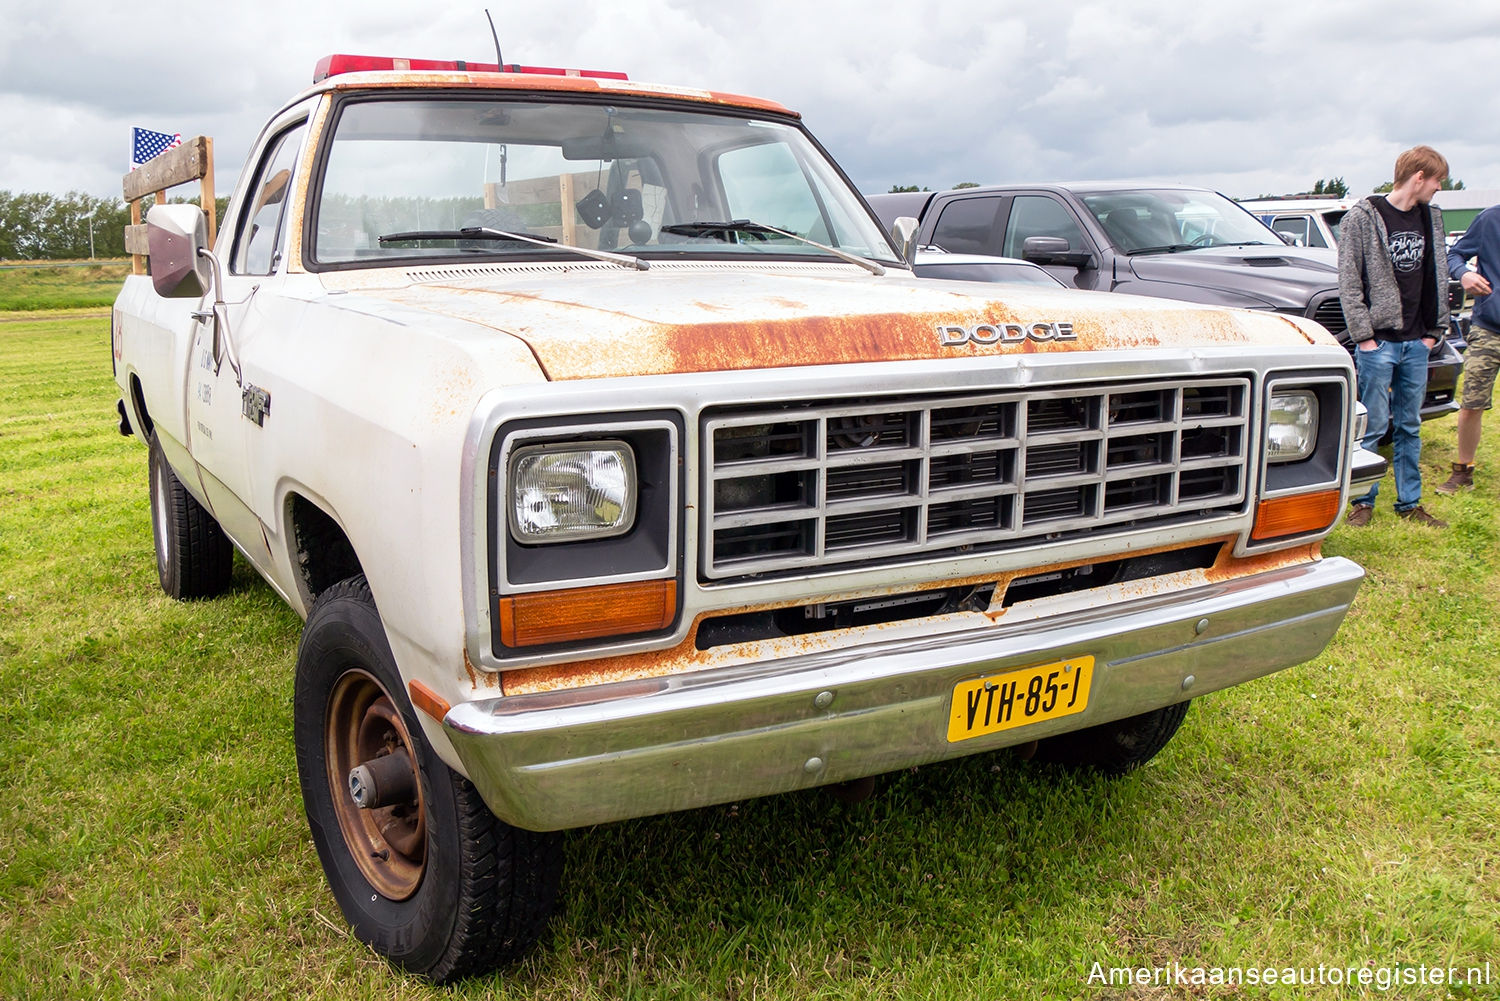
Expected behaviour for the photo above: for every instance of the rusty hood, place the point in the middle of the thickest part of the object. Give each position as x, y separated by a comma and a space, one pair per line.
597, 321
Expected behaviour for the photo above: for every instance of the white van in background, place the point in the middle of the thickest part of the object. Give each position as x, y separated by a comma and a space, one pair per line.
1307, 222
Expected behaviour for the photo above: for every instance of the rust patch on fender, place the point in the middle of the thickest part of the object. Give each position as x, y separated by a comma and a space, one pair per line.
478, 679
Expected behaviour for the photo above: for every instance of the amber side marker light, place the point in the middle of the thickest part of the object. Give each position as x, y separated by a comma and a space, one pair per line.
587, 612
1295, 515
427, 700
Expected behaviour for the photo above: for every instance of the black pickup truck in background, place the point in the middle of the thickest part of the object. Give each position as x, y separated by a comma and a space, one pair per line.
1170, 241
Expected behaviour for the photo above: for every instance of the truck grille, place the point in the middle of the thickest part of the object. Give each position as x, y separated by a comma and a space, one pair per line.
841, 482
1330, 313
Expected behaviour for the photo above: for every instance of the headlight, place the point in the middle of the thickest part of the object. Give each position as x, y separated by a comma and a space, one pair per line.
571, 491
1361, 423
1293, 426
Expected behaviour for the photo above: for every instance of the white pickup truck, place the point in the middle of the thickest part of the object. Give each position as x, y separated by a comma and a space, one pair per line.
619, 465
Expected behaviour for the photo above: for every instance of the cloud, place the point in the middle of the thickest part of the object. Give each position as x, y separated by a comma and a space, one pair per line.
1241, 95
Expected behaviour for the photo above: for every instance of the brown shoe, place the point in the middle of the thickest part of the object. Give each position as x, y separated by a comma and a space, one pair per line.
1462, 479
1359, 515
1419, 515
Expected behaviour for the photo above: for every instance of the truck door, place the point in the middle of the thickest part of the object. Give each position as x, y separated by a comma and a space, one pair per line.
222, 418
1044, 215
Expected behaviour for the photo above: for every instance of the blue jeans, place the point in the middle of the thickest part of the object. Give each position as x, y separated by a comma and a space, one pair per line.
1392, 383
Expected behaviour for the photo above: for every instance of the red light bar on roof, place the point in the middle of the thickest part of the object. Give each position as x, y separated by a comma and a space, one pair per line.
334, 65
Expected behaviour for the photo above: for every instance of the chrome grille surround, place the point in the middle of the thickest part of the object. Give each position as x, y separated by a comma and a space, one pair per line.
840, 482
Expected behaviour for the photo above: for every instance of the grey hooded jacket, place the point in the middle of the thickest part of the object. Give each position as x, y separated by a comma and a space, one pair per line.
1367, 280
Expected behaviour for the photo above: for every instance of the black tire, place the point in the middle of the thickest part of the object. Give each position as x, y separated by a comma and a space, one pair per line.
458, 891
1117, 747
194, 558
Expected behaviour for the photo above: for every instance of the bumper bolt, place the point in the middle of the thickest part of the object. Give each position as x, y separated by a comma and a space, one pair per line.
823, 700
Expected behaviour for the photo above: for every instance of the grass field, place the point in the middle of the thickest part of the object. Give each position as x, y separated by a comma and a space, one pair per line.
152, 843
36, 286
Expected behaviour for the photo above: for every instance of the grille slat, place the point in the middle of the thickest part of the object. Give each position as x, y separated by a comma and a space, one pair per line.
843, 481
1330, 313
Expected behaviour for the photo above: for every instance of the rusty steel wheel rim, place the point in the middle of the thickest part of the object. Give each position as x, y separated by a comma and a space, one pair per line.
389, 844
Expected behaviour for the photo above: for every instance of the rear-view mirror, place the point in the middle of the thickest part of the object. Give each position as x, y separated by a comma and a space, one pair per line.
904, 232
1054, 250
174, 236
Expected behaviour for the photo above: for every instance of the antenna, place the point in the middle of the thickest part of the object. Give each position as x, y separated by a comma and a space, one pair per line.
498, 57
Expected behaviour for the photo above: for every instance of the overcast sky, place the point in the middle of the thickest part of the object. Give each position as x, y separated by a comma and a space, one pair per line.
1249, 98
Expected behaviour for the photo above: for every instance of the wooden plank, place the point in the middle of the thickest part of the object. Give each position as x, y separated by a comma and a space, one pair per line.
569, 217
135, 241
206, 190
137, 260
189, 162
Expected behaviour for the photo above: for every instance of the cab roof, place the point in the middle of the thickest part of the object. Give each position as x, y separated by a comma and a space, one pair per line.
346, 72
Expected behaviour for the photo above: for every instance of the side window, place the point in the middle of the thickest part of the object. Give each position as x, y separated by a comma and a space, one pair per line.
260, 227
967, 226
1038, 215
1296, 227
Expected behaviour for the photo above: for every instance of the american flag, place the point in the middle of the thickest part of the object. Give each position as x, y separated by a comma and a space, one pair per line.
145, 144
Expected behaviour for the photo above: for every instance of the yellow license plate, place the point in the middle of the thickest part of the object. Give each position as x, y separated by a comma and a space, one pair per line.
1002, 701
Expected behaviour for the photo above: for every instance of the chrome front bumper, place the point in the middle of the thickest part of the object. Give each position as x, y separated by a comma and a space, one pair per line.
608, 752
1368, 467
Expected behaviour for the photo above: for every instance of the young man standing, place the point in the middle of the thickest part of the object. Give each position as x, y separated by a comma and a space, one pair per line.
1481, 241
1393, 284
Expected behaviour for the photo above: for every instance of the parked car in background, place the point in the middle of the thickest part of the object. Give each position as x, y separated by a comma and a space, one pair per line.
1306, 222
1171, 241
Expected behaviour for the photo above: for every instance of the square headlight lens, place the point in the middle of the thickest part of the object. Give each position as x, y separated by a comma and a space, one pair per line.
1292, 429
571, 491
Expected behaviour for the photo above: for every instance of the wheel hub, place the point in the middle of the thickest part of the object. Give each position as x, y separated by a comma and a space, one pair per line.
388, 842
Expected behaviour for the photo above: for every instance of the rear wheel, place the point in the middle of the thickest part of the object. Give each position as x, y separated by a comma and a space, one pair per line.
1116, 747
423, 872
194, 558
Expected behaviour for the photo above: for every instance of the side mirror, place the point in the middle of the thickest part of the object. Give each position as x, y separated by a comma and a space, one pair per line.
1054, 250
904, 231
174, 236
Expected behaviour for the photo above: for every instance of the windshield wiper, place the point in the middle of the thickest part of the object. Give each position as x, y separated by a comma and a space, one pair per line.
706, 227
486, 233
1171, 248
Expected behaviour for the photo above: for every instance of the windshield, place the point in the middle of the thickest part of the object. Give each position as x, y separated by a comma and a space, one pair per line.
591, 175
1169, 220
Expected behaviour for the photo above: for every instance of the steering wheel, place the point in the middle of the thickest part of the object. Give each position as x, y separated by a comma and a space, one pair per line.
1202, 240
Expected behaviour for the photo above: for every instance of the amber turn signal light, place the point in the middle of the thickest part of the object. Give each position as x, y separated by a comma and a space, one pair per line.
427, 700
1295, 515
587, 612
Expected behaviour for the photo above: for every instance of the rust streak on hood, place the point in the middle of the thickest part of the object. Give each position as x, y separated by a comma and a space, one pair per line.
600, 325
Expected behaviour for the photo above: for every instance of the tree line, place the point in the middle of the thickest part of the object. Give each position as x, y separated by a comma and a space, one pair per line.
35, 226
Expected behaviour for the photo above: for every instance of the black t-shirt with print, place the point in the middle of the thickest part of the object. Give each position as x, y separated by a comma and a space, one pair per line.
1407, 239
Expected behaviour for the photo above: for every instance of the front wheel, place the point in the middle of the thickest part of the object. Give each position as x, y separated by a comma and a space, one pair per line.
423, 872
1116, 747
